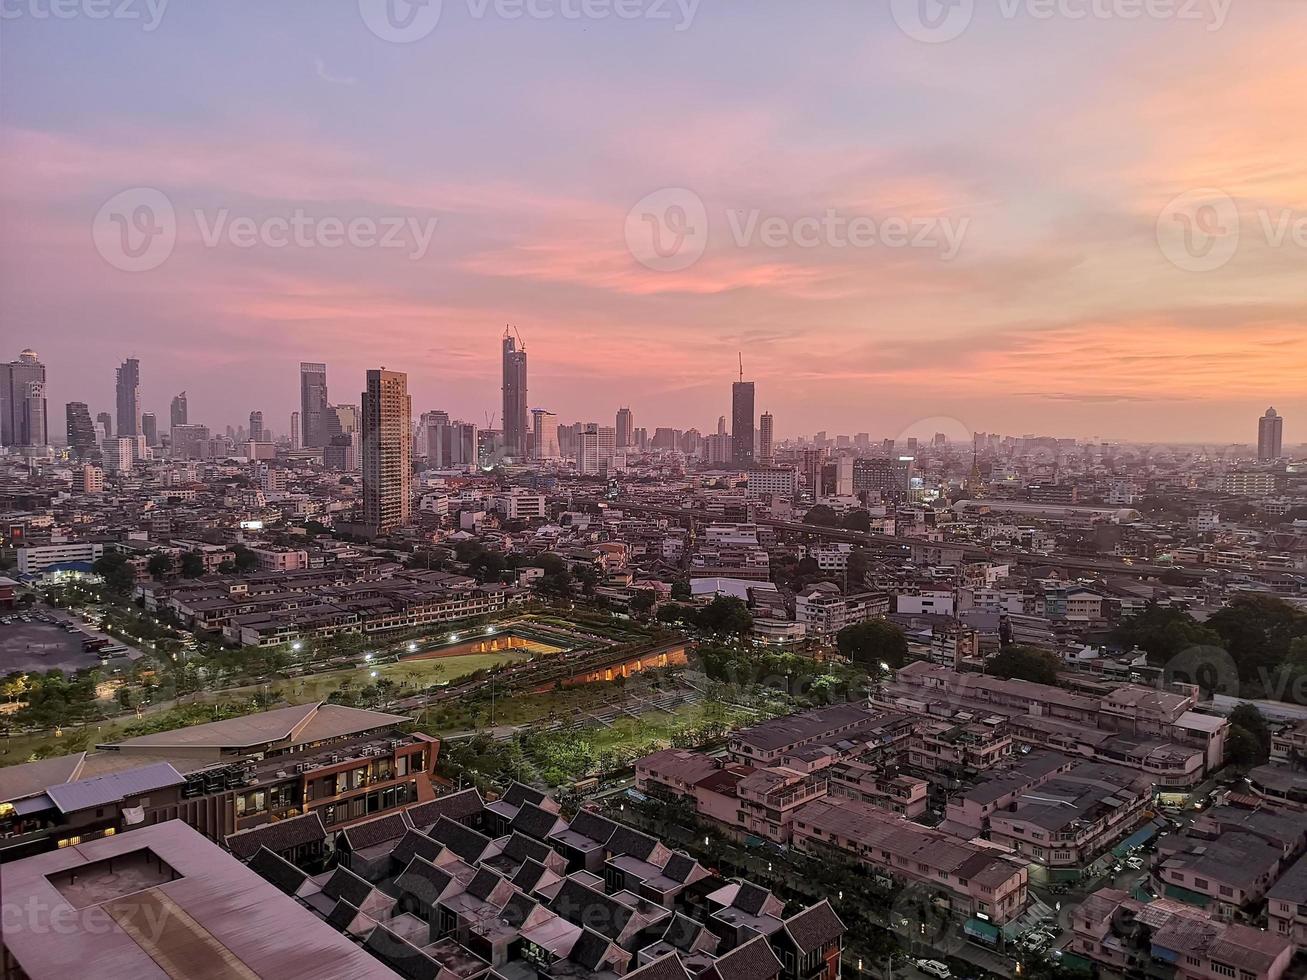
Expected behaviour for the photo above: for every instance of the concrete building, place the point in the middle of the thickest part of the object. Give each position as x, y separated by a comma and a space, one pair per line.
1270, 436
387, 451
128, 392
313, 405
23, 416
517, 442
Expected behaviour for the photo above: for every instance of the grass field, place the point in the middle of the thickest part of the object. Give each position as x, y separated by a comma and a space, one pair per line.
407, 675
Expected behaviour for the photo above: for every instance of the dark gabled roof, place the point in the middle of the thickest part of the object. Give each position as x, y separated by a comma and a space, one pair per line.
345, 884
590, 824
462, 807
278, 836
276, 870
517, 909
589, 949
534, 821
529, 875
814, 927
583, 906
682, 932
680, 867
463, 841
632, 842
517, 794
667, 967
750, 898
423, 881
521, 848
401, 955
341, 915
483, 883
754, 960
415, 844
392, 826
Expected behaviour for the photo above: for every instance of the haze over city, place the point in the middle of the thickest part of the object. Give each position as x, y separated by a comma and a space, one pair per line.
1032, 161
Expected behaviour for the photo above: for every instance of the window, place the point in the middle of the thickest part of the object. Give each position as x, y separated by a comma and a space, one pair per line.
1223, 969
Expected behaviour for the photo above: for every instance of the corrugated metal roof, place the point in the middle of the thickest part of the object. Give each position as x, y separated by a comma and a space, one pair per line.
100, 790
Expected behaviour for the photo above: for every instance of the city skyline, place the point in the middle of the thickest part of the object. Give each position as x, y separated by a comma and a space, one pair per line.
1058, 306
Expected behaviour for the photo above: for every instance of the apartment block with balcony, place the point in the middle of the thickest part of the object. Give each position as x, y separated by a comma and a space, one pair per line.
970, 880
1286, 906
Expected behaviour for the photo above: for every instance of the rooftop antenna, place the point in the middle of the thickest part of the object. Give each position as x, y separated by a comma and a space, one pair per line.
741, 366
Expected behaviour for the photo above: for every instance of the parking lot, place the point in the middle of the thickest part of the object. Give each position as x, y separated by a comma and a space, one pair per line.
37, 646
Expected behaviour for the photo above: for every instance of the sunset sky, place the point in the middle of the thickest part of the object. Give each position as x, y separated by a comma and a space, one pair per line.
1056, 143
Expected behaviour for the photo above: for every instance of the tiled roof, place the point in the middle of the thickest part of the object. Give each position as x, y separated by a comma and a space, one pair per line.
754, 960
277, 870
463, 841
814, 927
461, 807
345, 884
391, 826
281, 835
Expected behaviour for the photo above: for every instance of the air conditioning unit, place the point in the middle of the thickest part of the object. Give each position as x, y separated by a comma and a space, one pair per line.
301, 767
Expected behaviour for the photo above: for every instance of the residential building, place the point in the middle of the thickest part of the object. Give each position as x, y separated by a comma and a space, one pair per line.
23, 417
387, 451
128, 390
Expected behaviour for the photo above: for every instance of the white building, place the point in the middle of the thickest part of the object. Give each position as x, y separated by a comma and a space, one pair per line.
35, 559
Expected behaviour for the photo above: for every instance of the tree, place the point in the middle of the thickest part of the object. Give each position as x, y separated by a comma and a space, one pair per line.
681, 589
1251, 722
159, 565
1026, 664
1163, 632
873, 642
642, 602
1242, 749
244, 560
1257, 631
725, 614
192, 564
857, 520
117, 572
822, 516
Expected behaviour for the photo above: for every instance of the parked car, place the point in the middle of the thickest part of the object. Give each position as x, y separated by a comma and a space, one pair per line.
935, 968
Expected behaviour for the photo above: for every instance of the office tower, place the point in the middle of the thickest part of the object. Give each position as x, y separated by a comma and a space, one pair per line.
387, 451
82, 438
313, 404
941, 440
177, 414
104, 422
587, 451
742, 421
294, 430
342, 453
150, 428
887, 447
888, 477
128, 385
544, 434
22, 402
191, 442
256, 427
642, 439
625, 428
607, 446
516, 440
1270, 435
765, 439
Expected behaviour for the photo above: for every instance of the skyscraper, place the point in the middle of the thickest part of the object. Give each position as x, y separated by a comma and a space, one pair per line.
742, 422
256, 427
150, 428
81, 430
178, 414
294, 430
22, 402
387, 451
765, 454
313, 404
625, 428
128, 384
544, 434
105, 421
1270, 435
516, 440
